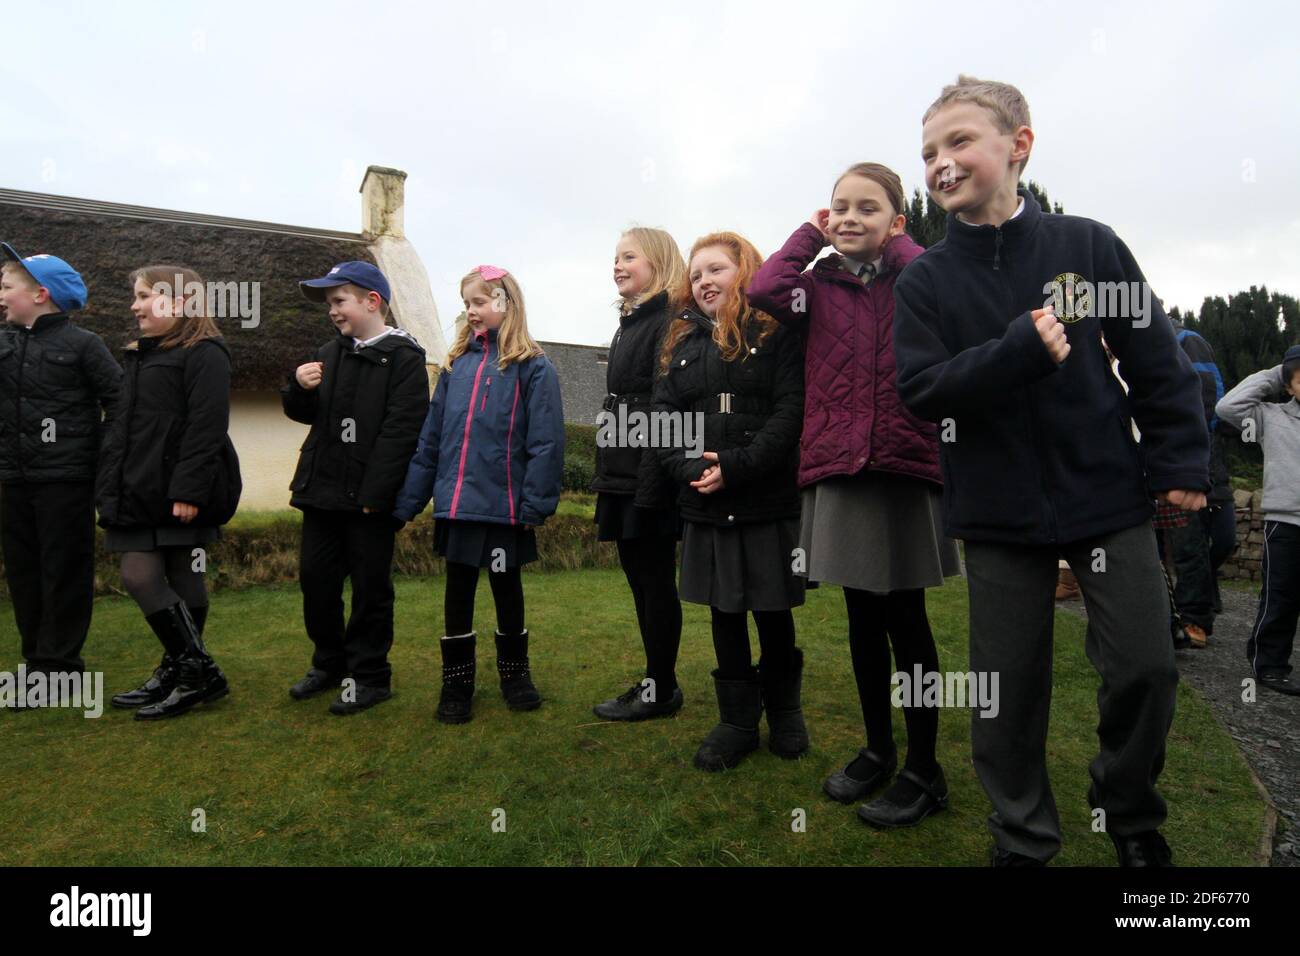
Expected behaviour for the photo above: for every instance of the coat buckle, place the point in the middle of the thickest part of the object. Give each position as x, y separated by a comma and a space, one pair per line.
724, 402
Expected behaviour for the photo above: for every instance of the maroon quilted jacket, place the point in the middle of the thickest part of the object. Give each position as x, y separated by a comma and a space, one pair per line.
853, 416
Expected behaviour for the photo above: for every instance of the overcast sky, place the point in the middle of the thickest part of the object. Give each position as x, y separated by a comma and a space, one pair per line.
534, 133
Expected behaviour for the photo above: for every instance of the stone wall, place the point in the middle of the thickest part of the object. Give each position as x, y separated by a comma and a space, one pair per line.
1244, 564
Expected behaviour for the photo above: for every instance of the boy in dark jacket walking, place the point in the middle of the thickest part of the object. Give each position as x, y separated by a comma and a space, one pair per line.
364, 398
1038, 462
59, 386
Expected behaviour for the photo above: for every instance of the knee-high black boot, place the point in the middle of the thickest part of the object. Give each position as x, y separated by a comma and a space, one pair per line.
199, 679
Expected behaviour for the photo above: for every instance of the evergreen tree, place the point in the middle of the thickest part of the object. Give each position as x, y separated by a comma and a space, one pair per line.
927, 222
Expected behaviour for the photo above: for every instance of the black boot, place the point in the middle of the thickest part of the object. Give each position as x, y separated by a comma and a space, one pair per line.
167, 673
740, 706
455, 703
200, 680
512, 667
787, 735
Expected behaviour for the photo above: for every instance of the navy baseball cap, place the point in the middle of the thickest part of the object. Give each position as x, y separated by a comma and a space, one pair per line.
361, 274
66, 288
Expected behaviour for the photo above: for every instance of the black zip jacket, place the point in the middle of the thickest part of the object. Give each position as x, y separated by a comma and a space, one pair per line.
59, 388
757, 440
170, 440
365, 419
1035, 453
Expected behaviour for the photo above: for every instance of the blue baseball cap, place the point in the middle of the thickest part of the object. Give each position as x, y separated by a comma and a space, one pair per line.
361, 274
64, 283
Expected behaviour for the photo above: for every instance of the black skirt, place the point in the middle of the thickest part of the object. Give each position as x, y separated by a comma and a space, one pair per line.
152, 539
480, 543
618, 518
748, 567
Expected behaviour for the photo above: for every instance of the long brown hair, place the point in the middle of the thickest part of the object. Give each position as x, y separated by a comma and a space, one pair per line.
734, 316
514, 344
190, 329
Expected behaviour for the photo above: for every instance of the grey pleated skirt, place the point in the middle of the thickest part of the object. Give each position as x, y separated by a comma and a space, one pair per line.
876, 532
748, 567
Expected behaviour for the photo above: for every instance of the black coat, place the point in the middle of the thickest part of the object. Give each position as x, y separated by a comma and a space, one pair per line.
383, 390
623, 468
59, 387
170, 441
757, 441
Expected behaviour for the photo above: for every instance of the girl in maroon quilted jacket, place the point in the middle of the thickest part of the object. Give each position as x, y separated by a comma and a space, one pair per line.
869, 474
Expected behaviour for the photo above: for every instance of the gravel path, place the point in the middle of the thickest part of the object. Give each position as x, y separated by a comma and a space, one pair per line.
1267, 730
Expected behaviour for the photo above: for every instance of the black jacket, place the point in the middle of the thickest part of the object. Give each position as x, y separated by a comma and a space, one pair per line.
365, 419
1201, 355
757, 441
622, 467
170, 440
59, 387
1038, 454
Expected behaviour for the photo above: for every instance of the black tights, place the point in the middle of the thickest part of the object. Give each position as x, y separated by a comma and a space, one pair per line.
731, 642
901, 615
159, 579
650, 565
507, 593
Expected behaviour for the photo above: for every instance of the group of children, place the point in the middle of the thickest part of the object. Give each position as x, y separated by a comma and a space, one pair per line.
858, 417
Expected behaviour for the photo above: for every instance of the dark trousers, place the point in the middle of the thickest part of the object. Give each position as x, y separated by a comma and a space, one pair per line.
337, 545
1271, 640
650, 565
48, 536
1011, 615
1198, 549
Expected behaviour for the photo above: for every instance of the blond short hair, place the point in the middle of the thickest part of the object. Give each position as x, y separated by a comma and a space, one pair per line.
1006, 105
18, 272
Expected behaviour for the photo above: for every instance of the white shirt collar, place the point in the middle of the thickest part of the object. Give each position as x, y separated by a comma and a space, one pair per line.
1019, 209
388, 330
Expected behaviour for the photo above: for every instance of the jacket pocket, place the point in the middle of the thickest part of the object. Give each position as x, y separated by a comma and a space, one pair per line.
60, 369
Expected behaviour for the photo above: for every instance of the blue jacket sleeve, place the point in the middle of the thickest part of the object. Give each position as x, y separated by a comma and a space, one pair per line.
543, 444
936, 384
421, 473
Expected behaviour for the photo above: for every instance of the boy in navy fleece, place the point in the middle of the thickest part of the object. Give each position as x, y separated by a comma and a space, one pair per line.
997, 334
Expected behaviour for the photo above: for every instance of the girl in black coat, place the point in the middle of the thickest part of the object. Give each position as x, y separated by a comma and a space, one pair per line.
168, 479
634, 499
741, 374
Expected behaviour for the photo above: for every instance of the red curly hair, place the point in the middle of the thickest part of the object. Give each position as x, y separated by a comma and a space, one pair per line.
734, 315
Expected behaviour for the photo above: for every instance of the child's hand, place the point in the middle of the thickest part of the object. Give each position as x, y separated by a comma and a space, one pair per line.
309, 374
1187, 500
711, 480
185, 511
1052, 332
822, 220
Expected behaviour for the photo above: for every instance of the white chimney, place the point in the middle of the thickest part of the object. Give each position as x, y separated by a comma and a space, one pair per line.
383, 196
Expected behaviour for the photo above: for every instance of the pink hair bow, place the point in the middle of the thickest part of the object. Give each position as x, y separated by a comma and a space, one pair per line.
491, 272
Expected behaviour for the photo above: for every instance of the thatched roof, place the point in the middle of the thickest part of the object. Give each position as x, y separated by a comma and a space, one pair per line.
106, 241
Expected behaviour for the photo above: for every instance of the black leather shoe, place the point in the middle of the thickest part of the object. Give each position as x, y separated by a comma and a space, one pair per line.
362, 699
632, 705
885, 813
1282, 683
156, 688
1006, 858
840, 786
316, 682
199, 678
1143, 849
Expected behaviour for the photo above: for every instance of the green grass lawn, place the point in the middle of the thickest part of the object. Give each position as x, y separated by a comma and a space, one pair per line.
283, 782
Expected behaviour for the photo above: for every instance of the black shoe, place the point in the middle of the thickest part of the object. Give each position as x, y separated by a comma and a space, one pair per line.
1007, 858
1282, 683
199, 678
512, 667
316, 682
787, 734
740, 707
455, 702
1143, 849
363, 698
632, 705
885, 813
840, 786
156, 688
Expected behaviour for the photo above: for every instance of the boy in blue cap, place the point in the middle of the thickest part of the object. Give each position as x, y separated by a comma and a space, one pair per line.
58, 390
365, 398
998, 335
1253, 407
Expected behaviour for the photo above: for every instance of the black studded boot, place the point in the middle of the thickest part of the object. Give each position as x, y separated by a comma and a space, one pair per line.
456, 701
512, 667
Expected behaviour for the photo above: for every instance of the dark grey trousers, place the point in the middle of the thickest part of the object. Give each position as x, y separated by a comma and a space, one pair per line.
1011, 611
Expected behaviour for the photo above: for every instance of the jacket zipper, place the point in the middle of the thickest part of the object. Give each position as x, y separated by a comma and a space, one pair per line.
487, 391
469, 421
997, 247
18, 400
510, 436
126, 430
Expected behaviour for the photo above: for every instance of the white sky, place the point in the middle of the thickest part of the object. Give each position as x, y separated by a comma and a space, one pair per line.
534, 133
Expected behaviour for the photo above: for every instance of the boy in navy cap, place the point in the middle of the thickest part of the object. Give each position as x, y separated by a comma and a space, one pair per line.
58, 389
998, 334
1252, 407
365, 398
